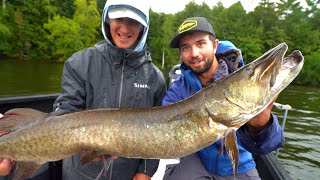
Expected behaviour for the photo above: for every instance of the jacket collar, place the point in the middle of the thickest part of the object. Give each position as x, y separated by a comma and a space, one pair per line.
118, 56
192, 79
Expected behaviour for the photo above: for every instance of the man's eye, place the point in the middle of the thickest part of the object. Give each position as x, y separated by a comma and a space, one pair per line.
201, 43
184, 48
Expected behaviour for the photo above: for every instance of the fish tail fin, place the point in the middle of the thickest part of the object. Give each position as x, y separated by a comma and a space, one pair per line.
24, 169
232, 150
16, 116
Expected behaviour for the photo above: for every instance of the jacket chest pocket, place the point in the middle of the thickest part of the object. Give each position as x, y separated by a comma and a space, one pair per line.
138, 93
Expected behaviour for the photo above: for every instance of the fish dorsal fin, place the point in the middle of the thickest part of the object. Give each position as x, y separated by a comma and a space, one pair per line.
24, 169
232, 149
13, 118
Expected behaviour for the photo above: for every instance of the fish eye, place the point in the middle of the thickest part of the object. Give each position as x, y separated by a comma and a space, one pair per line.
249, 72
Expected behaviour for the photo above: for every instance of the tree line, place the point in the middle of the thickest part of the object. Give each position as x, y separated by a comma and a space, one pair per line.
55, 29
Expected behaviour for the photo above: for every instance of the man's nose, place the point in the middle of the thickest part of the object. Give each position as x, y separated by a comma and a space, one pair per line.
194, 52
125, 25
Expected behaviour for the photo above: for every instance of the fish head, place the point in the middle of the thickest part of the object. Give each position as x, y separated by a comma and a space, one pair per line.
256, 80
250, 89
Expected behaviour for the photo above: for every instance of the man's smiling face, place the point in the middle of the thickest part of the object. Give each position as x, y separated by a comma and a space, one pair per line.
125, 32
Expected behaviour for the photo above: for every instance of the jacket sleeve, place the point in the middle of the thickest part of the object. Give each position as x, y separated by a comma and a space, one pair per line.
268, 140
175, 93
72, 90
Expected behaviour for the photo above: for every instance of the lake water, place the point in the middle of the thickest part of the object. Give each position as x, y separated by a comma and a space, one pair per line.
29, 77
300, 155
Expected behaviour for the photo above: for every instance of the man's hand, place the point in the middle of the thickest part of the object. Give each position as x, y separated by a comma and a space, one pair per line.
140, 176
5, 166
260, 121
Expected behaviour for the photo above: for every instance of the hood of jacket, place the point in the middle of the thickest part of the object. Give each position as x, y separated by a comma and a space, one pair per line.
140, 5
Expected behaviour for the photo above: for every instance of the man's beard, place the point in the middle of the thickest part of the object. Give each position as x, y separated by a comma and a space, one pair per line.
203, 69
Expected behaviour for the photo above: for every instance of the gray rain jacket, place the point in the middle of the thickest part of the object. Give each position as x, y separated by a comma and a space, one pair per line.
108, 77
105, 76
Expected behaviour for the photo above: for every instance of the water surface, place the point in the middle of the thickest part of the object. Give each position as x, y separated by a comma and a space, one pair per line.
301, 153
29, 77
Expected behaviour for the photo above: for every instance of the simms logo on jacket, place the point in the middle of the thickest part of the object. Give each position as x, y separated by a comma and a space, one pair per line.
142, 86
187, 25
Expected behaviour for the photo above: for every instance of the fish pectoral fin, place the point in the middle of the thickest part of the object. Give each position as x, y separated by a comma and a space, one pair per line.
87, 156
232, 150
24, 169
107, 161
14, 117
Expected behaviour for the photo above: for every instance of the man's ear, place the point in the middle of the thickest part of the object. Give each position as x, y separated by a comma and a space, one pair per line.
214, 50
215, 46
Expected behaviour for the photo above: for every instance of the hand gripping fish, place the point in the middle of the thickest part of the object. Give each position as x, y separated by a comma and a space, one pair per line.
173, 131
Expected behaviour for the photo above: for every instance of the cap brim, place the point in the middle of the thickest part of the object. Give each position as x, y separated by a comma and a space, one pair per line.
128, 13
175, 41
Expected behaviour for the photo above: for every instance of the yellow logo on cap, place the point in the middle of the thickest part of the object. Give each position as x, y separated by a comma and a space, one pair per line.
187, 25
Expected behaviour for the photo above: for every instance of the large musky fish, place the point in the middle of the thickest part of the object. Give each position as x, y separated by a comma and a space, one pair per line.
173, 131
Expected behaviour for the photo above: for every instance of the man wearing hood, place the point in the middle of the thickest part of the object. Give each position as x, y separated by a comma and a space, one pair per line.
115, 73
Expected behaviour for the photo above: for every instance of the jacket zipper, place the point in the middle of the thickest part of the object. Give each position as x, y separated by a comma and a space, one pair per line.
121, 83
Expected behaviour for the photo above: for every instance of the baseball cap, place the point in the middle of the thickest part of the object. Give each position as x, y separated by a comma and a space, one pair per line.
192, 24
125, 11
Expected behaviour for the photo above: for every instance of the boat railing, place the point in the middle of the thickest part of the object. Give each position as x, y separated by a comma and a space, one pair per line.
286, 108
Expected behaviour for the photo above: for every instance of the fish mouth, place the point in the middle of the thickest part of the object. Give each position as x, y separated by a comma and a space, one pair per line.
273, 71
278, 71
290, 68
269, 64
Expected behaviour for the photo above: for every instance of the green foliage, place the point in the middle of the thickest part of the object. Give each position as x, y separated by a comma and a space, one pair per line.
5, 31
70, 35
88, 18
310, 72
100, 4
64, 36
161, 31
55, 29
